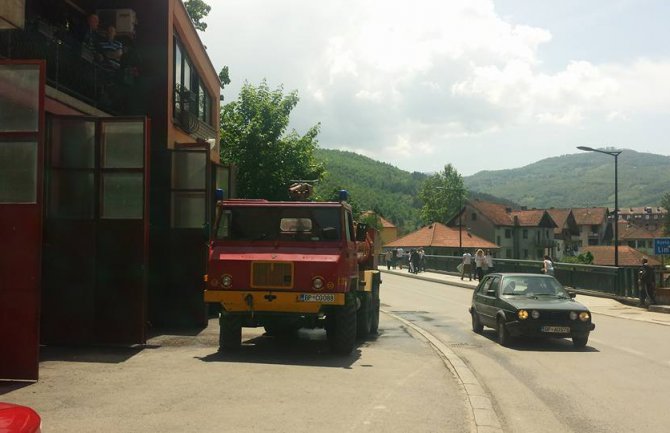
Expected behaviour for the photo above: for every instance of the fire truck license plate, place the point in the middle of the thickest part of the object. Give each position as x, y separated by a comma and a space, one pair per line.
317, 297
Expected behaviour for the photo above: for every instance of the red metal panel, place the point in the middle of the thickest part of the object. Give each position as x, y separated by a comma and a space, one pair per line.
20, 265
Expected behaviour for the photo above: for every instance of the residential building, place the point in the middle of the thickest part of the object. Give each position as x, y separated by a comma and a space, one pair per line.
594, 226
388, 231
638, 237
566, 232
520, 234
603, 255
649, 217
107, 175
439, 239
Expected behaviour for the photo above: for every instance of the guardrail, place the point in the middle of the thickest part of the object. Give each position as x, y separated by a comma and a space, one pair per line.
608, 280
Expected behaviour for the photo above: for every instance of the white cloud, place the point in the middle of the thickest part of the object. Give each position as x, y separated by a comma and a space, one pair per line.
424, 83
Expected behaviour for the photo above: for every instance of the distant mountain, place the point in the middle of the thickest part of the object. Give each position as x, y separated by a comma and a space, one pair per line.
580, 180
374, 185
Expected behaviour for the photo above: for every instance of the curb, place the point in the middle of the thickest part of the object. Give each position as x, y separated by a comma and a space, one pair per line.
484, 416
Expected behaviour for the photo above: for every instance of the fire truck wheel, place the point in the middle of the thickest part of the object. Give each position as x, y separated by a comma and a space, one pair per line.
374, 327
364, 317
342, 330
230, 332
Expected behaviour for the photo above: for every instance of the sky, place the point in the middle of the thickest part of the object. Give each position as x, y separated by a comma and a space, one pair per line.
479, 84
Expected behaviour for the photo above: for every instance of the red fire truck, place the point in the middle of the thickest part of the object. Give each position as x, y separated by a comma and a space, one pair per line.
291, 264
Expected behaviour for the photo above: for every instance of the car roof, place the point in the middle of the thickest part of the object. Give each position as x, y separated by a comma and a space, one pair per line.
520, 274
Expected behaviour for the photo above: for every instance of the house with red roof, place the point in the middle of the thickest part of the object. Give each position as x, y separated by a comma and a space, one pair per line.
603, 255
520, 234
440, 239
566, 232
594, 226
388, 230
639, 237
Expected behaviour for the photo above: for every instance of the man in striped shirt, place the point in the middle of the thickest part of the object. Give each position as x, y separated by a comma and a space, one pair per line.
111, 49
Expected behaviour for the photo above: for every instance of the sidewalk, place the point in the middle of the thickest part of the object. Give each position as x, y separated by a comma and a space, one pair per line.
600, 305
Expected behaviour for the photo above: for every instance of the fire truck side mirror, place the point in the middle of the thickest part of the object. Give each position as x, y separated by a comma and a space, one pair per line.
361, 231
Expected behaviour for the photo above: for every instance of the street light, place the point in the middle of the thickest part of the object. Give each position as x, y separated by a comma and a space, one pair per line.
615, 154
460, 212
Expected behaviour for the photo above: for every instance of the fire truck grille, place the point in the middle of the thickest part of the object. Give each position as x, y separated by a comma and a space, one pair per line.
272, 275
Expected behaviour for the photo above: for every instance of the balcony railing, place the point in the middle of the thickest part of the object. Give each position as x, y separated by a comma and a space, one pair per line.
69, 68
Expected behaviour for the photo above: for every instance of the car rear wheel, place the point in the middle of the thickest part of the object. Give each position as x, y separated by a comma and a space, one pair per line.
504, 338
476, 322
580, 341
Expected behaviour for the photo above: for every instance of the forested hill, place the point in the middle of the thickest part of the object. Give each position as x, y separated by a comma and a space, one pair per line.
580, 180
373, 185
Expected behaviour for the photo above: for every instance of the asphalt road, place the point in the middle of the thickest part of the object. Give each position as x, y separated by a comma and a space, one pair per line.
618, 383
395, 384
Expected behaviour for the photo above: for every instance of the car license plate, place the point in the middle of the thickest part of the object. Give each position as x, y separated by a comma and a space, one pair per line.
556, 329
326, 298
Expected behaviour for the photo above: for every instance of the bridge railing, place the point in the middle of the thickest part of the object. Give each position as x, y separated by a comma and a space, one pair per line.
603, 279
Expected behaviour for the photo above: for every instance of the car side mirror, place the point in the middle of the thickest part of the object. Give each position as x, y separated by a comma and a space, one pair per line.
571, 292
490, 293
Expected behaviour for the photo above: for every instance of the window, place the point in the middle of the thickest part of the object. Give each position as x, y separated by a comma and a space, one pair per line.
498, 240
190, 95
525, 233
508, 233
525, 254
508, 253
594, 229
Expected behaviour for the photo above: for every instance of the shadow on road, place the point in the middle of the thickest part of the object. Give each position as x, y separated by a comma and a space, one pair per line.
101, 354
527, 344
307, 348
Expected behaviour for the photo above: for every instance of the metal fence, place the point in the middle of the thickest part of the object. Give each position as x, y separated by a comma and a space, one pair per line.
603, 279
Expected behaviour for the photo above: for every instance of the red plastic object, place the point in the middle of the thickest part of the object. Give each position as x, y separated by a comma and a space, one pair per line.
19, 419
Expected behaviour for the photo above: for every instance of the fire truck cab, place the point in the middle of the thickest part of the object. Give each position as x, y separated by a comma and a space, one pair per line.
292, 264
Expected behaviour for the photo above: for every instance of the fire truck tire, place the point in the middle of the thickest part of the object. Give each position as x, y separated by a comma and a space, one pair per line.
364, 316
374, 327
341, 331
230, 332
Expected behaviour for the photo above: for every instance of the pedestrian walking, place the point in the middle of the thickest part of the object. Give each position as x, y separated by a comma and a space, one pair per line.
400, 256
647, 283
480, 262
548, 266
467, 265
388, 258
489, 261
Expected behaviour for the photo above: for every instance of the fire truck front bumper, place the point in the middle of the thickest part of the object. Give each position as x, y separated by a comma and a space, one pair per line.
281, 302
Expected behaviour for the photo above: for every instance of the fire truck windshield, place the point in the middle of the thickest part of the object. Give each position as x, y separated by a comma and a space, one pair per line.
308, 224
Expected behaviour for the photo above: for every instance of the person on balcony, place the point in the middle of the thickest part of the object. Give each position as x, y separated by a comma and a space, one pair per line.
111, 49
90, 38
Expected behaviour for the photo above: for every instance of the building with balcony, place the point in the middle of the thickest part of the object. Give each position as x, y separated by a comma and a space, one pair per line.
649, 217
594, 227
107, 174
520, 233
565, 234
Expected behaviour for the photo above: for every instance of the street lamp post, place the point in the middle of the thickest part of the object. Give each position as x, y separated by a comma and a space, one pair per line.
615, 154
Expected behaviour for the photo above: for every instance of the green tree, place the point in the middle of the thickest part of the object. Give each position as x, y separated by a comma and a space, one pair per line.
254, 138
224, 78
442, 195
665, 202
197, 10
584, 258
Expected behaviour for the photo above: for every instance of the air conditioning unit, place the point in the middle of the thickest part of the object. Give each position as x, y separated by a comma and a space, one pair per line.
124, 20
